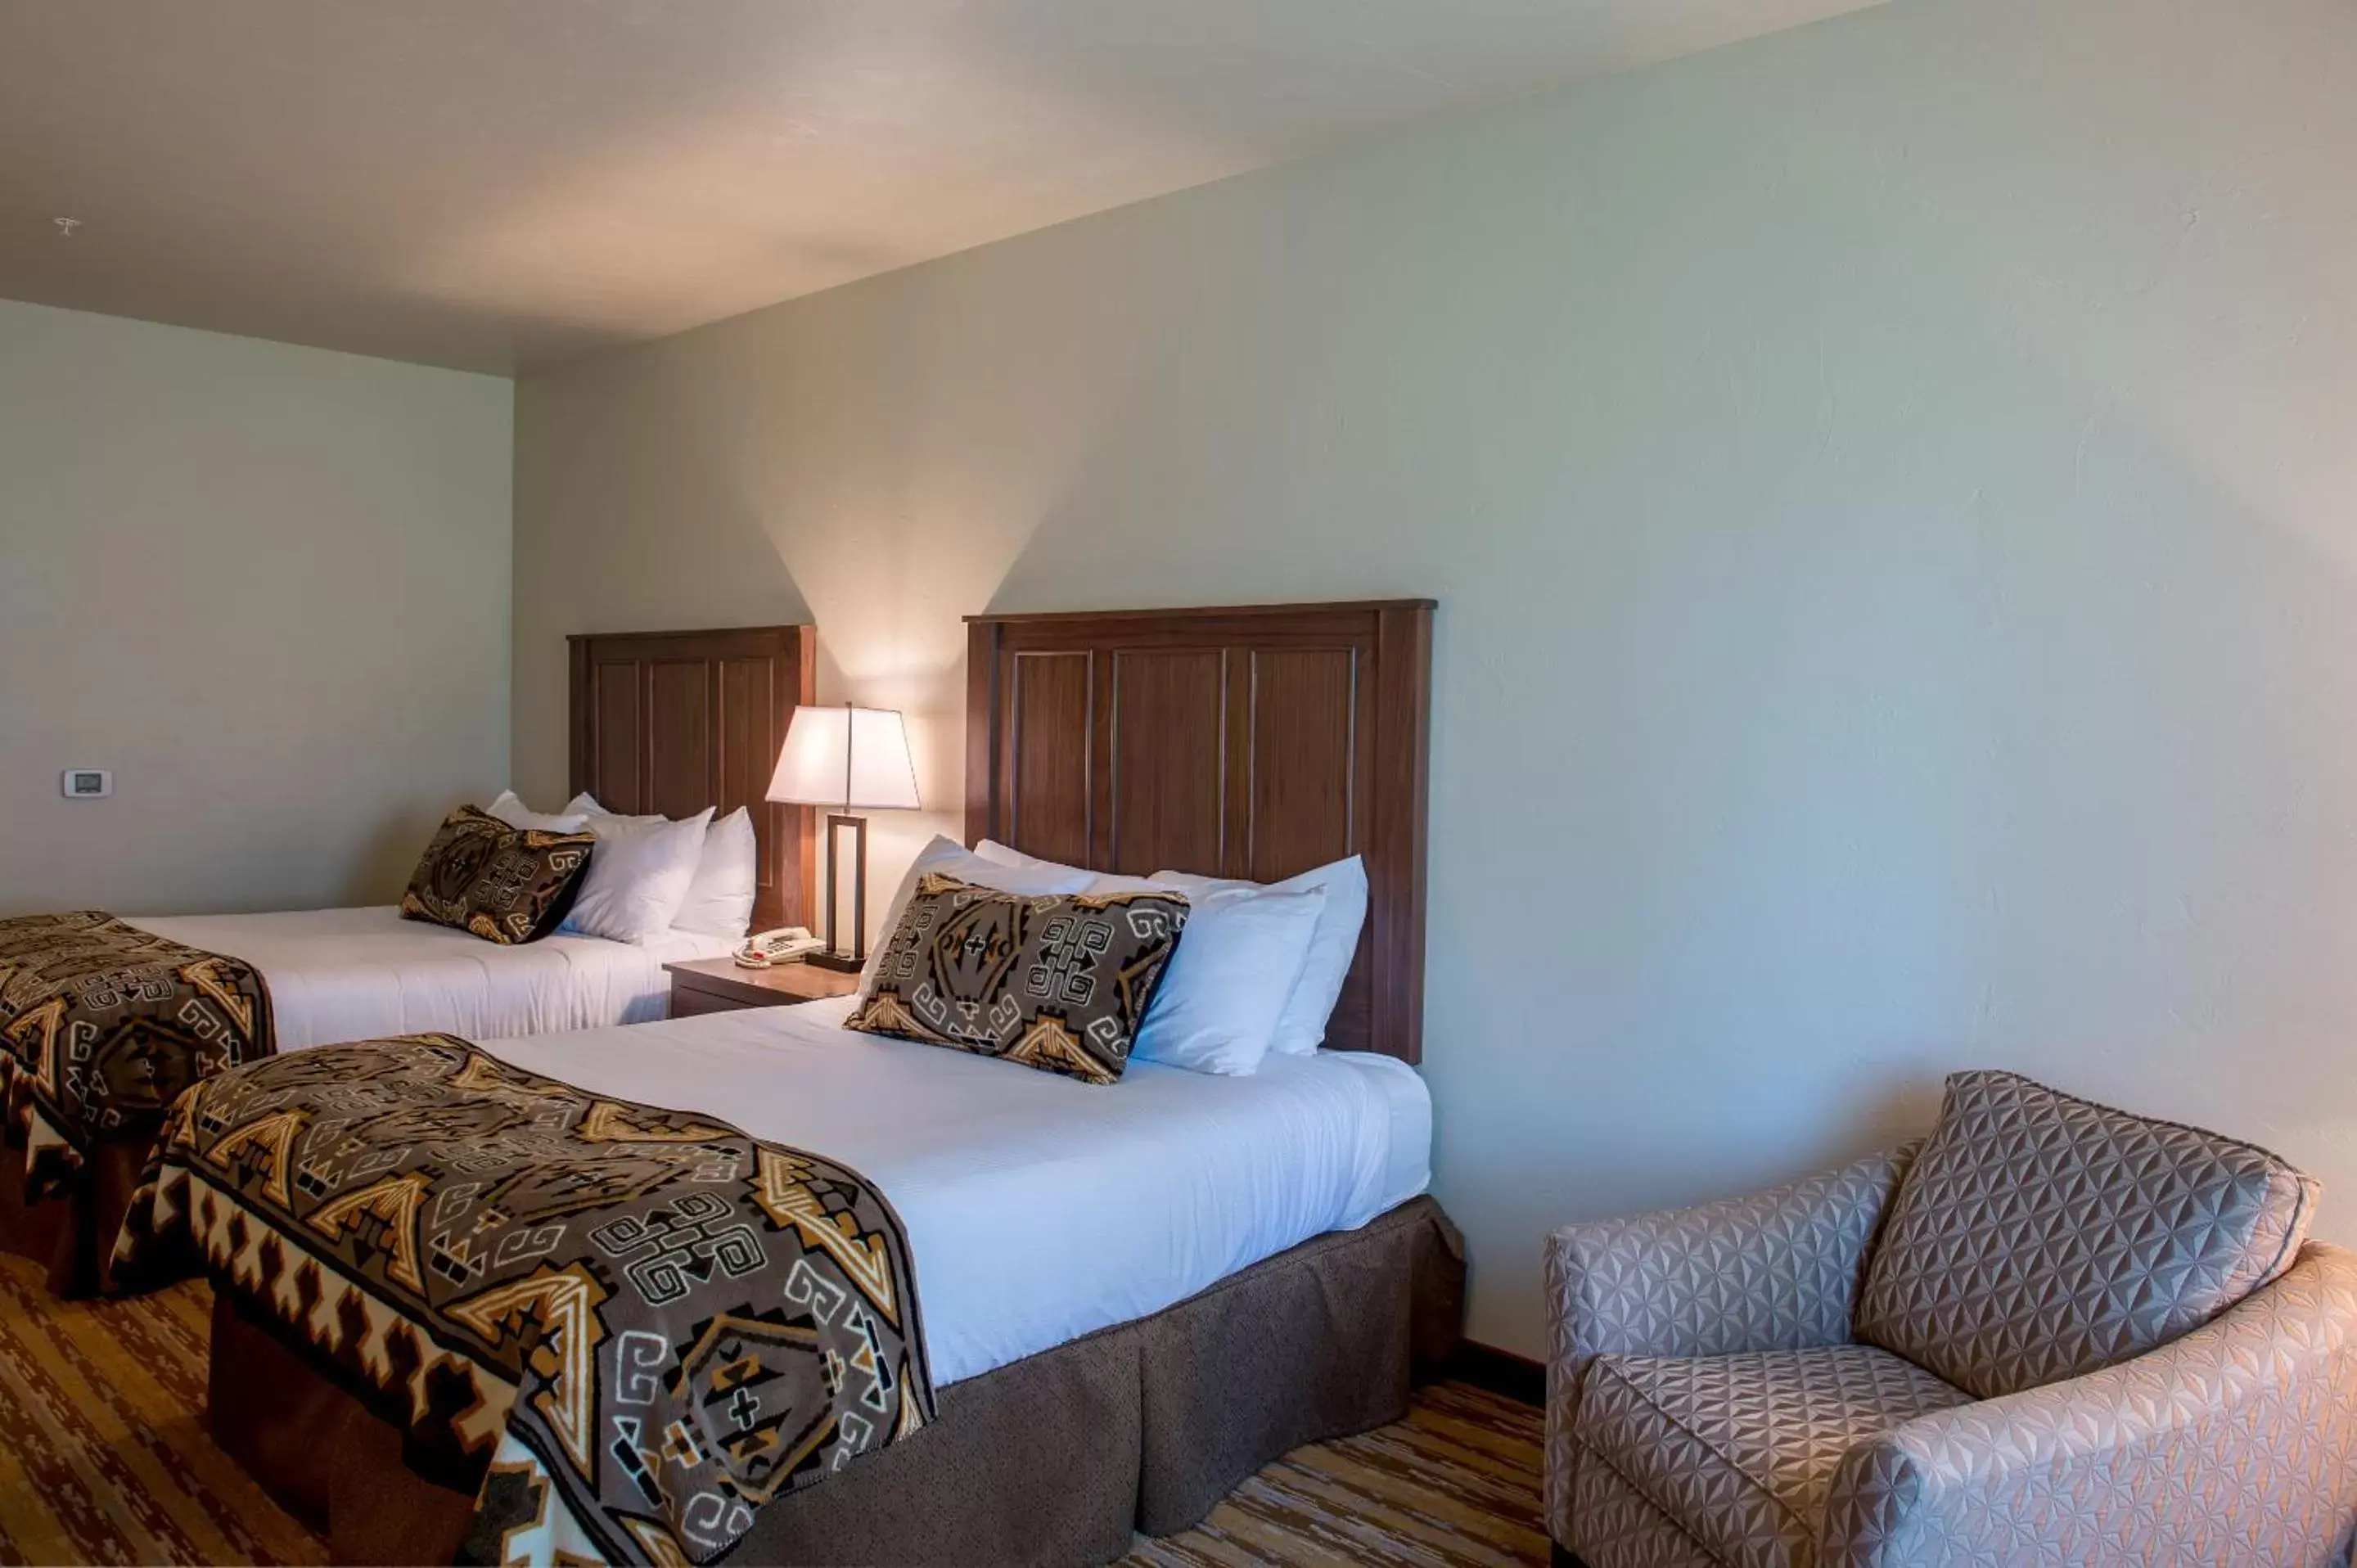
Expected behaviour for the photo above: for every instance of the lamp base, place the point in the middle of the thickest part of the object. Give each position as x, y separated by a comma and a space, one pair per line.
833, 955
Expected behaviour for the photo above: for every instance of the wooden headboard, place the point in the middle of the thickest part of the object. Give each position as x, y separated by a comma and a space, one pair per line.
1255, 742
676, 721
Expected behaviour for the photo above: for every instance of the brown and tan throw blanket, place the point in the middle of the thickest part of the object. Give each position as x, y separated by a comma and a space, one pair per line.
652, 1322
104, 1024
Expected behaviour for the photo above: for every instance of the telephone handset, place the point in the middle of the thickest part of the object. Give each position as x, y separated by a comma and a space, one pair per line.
784, 945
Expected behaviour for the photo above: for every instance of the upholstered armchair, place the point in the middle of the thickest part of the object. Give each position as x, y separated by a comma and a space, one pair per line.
2052, 1332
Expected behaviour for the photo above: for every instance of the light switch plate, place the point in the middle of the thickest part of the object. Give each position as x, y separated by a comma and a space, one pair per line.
87, 783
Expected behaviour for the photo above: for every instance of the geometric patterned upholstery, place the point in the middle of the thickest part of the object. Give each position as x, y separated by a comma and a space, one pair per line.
1779, 1268
2233, 1444
2038, 1237
1769, 1271
1741, 1449
1619, 1527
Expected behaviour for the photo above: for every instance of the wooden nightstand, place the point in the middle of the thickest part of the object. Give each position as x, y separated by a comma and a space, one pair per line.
722, 985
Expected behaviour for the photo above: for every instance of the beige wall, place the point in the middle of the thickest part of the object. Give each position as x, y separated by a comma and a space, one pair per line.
1892, 493
268, 587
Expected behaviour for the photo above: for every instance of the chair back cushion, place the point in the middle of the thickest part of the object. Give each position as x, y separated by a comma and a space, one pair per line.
2038, 1237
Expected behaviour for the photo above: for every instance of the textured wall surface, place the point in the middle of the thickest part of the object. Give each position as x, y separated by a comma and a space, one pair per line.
1891, 494
268, 587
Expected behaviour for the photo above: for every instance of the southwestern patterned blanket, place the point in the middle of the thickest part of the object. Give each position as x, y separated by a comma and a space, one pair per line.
104, 1025
652, 1322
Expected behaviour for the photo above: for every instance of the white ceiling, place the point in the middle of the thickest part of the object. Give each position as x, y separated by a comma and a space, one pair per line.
495, 184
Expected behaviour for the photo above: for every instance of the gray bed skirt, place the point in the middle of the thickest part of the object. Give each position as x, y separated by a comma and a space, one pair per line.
1054, 1459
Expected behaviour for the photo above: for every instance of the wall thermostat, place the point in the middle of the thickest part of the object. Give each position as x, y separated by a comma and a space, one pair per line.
88, 783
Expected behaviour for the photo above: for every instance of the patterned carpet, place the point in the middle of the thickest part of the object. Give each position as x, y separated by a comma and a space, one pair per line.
104, 1458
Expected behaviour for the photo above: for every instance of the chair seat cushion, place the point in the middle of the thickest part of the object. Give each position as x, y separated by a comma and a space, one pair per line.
1740, 1450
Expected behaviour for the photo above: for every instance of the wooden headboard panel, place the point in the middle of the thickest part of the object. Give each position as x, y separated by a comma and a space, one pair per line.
676, 721
1254, 742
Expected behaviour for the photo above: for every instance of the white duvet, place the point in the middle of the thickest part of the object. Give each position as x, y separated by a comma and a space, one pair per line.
1038, 1208
353, 974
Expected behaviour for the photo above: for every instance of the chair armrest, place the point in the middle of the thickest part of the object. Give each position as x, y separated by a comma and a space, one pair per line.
2236, 1442
1774, 1271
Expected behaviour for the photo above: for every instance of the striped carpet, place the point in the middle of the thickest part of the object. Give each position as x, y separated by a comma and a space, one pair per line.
104, 1458
1457, 1482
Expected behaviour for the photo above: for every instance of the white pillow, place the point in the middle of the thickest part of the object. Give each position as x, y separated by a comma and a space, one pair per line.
1107, 882
587, 804
991, 850
638, 877
952, 858
1221, 999
719, 899
998, 853
1336, 941
516, 814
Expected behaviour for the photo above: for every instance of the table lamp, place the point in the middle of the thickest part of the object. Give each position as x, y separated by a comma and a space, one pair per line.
854, 758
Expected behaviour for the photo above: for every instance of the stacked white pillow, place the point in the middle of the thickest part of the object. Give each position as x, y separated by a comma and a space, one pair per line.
650, 875
719, 901
1301, 1027
1219, 1004
1258, 968
516, 814
638, 874
1039, 878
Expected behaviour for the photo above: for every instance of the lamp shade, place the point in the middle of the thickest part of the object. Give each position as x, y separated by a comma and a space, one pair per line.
845, 756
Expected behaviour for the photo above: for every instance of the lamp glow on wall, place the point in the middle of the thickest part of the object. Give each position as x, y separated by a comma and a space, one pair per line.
856, 759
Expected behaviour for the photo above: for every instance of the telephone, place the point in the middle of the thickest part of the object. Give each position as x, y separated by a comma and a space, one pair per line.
784, 945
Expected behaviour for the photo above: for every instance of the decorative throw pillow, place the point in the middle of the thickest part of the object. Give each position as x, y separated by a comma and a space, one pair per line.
950, 858
2038, 1237
503, 884
1056, 982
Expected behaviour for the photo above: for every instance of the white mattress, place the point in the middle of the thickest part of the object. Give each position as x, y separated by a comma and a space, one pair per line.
353, 974
1038, 1208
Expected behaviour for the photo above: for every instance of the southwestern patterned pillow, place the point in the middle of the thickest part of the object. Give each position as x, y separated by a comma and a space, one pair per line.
504, 884
1056, 982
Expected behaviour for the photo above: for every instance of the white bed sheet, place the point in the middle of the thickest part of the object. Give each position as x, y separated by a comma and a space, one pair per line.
1038, 1208
353, 975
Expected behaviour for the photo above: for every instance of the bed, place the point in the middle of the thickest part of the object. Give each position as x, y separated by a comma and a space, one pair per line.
350, 974
1133, 1199
668, 723
1133, 1296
